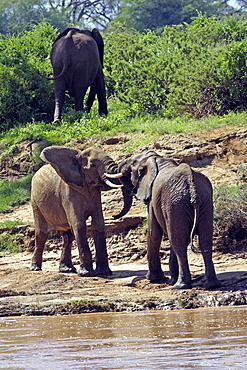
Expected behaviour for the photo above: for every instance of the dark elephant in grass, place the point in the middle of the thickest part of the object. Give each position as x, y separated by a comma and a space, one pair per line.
77, 61
65, 192
180, 205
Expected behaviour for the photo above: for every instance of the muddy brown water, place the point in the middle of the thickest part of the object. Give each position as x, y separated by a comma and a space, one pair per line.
212, 338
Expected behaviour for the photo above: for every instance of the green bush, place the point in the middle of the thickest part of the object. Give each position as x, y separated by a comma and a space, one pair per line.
230, 218
198, 68
24, 94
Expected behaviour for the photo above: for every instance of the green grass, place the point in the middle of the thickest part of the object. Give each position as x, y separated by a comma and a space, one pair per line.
119, 120
10, 237
7, 244
13, 193
7, 224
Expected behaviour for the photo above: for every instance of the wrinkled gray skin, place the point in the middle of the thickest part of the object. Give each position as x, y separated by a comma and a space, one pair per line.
180, 205
64, 194
77, 61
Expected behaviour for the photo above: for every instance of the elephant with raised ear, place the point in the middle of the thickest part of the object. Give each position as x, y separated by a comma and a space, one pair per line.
65, 192
180, 205
77, 61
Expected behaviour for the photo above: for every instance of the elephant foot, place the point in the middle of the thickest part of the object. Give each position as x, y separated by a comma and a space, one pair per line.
212, 284
103, 271
35, 267
173, 280
182, 285
69, 268
85, 272
155, 276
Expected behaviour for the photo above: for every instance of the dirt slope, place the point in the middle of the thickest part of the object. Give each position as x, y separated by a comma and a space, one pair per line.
218, 154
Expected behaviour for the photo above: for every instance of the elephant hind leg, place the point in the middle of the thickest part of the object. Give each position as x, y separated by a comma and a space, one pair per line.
41, 232
65, 264
101, 93
179, 239
205, 244
173, 267
60, 87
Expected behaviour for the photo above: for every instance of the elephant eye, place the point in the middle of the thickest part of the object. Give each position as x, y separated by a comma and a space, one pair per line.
92, 165
142, 172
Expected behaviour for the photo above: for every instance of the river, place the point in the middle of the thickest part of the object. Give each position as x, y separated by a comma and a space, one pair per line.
212, 338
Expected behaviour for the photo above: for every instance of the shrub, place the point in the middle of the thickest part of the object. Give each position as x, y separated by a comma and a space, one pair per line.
24, 94
199, 68
230, 218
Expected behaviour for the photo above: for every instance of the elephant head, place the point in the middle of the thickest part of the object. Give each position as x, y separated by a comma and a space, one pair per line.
139, 173
91, 167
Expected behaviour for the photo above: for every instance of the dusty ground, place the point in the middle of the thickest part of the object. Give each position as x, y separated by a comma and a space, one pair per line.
218, 154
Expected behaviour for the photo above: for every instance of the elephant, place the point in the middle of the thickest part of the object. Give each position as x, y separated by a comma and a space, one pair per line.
77, 61
180, 205
64, 193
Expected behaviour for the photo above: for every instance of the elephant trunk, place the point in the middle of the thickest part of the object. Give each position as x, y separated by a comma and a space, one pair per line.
120, 181
127, 188
128, 197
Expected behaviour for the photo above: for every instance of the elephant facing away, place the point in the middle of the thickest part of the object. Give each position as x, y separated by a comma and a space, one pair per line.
180, 205
77, 61
65, 192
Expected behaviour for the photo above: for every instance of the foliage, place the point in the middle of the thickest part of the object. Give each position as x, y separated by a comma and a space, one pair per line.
196, 70
154, 15
19, 15
24, 94
230, 217
199, 68
14, 193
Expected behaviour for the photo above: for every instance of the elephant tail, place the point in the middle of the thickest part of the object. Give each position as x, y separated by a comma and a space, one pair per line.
194, 202
196, 213
55, 77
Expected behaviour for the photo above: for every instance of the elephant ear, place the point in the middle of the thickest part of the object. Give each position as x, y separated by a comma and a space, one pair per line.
65, 162
146, 178
99, 40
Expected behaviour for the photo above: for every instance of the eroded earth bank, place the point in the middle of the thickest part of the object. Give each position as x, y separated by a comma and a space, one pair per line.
218, 154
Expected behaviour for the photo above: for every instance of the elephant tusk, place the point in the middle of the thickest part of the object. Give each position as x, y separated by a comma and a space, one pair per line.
113, 175
109, 183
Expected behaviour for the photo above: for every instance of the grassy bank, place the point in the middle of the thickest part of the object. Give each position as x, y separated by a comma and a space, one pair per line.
120, 120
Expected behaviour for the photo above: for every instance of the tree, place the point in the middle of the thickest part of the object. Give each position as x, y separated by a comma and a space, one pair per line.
19, 15
154, 15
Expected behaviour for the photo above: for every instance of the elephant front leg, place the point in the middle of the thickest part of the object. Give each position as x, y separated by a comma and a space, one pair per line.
155, 233
98, 228
65, 260
79, 91
101, 257
85, 255
40, 239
